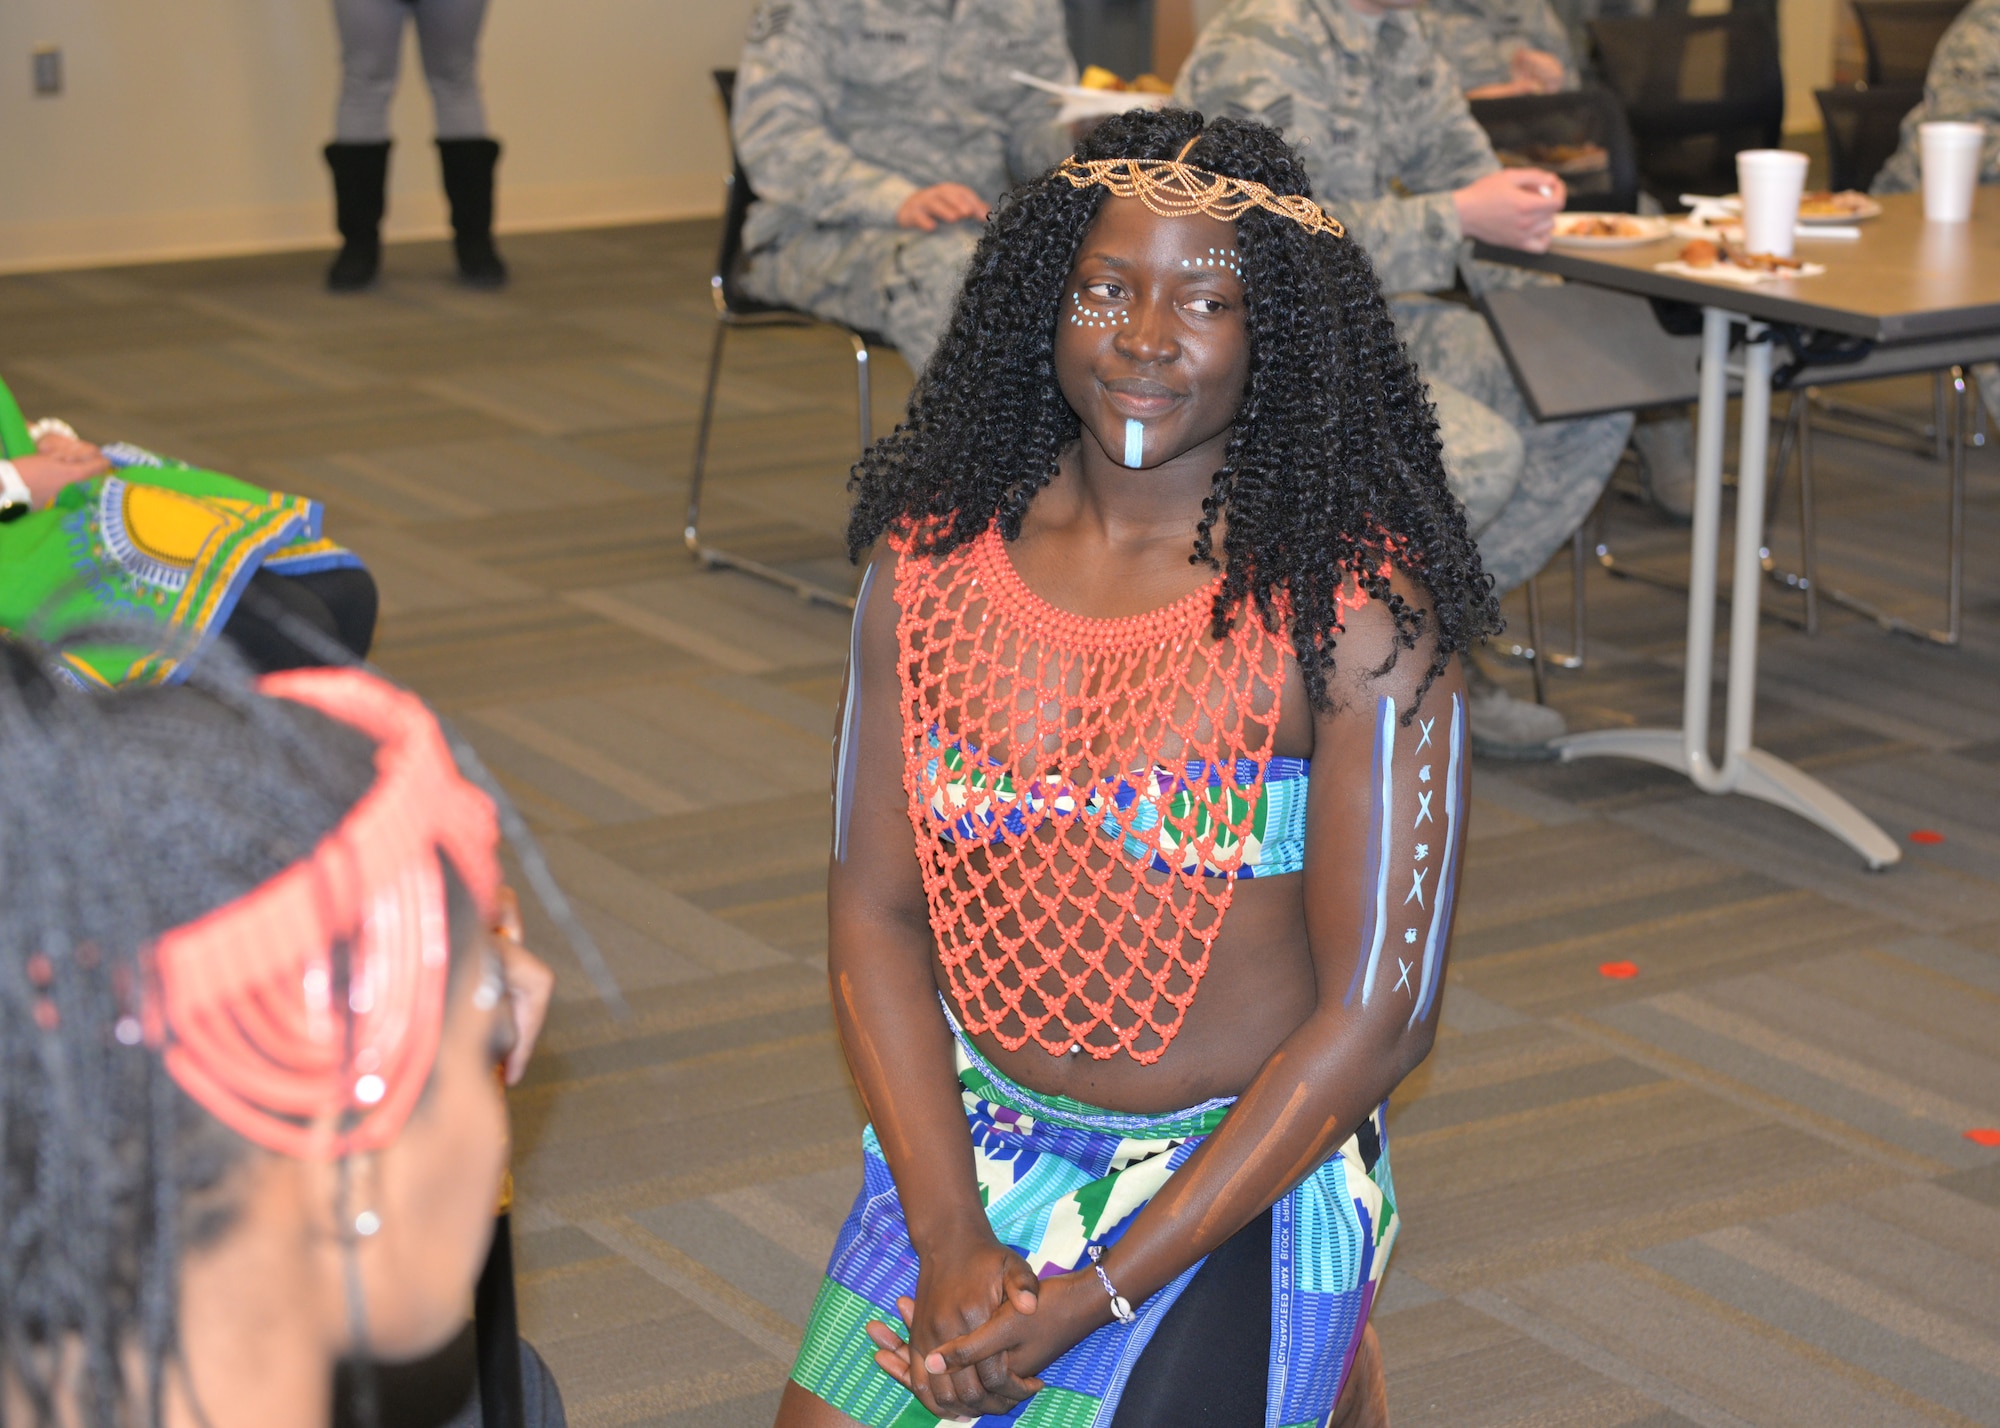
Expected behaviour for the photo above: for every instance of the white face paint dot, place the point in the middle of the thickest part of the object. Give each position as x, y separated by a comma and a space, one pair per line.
127, 1031
370, 1089
367, 1223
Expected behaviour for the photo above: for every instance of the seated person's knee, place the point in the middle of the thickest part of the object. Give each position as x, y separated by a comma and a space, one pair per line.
1483, 455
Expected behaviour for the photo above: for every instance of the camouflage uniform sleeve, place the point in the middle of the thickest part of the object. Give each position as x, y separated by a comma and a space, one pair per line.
785, 95
1542, 29
1479, 40
1414, 241
1963, 84
1470, 46
1265, 75
1036, 143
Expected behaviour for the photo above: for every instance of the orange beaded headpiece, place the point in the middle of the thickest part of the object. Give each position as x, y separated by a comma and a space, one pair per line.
242, 999
1174, 189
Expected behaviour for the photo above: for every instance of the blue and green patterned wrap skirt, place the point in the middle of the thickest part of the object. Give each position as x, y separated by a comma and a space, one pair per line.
1058, 1176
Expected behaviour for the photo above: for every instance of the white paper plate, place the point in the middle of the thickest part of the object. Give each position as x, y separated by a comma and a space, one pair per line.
1644, 230
1866, 209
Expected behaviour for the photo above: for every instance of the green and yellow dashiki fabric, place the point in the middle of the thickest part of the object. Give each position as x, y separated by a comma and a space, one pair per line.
1058, 1176
153, 543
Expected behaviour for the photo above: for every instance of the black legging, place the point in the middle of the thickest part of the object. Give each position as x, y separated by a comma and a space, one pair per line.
1208, 1365
340, 604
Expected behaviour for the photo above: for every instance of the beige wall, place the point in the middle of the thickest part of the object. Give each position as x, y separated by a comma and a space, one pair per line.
1807, 31
191, 127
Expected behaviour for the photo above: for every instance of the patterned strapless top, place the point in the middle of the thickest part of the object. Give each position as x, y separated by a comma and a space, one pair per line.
978, 800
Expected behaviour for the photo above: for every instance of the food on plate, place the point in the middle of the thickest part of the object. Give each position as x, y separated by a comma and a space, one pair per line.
1558, 158
1766, 262
1707, 253
1602, 225
1824, 204
1098, 77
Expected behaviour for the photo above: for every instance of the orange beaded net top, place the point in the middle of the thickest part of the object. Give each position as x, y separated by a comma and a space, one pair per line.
1085, 794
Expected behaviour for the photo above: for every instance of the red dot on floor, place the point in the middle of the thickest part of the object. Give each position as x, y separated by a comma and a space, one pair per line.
1984, 1135
1926, 835
1620, 970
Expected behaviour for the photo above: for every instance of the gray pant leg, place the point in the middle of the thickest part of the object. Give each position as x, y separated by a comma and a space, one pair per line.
448, 37
1988, 375
1483, 456
899, 282
1565, 463
371, 52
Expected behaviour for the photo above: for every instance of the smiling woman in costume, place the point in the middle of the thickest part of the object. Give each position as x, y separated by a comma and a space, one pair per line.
1160, 666
250, 1014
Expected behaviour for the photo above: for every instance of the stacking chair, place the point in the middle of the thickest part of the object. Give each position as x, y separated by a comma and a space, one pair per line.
1863, 127
734, 308
1697, 90
1900, 34
1575, 351
1958, 402
1525, 123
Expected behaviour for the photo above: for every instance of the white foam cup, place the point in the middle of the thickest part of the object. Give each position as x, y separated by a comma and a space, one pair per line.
1770, 181
1950, 158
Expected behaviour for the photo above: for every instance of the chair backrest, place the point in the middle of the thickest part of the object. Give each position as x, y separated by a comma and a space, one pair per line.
737, 198
1900, 35
1526, 127
1697, 90
1863, 127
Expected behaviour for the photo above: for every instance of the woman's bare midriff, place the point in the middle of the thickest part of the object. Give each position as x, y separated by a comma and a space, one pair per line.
1259, 987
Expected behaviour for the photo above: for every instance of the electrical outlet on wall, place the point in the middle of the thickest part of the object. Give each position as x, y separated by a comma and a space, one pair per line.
48, 70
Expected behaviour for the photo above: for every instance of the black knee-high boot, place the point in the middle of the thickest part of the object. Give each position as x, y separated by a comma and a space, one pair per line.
468, 183
360, 181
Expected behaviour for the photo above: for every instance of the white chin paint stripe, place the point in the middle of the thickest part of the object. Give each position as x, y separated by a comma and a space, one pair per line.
1441, 902
1135, 442
1385, 756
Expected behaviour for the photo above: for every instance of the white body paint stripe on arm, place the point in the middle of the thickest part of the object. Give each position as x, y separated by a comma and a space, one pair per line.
1442, 900
850, 716
1385, 755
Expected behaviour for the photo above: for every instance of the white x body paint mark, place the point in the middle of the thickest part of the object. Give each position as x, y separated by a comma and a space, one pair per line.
1423, 810
1424, 728
1417, 876
1447, 868
1403, 982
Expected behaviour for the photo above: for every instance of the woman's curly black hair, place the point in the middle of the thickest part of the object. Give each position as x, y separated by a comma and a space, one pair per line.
1333, 469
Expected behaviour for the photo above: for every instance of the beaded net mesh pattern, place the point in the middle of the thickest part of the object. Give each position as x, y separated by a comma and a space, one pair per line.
1174, 189
1083, 793
243, 1001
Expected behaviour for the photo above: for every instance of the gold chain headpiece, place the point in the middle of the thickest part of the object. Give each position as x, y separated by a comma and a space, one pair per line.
1174, 189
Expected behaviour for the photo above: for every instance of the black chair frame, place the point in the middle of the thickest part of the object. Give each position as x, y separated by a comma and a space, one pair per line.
1899, 36
736, 309
1592, 114
1643, 61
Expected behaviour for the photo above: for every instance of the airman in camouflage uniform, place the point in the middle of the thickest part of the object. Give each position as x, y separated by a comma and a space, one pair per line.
847, 110
1387, 138
1964, 85
1481, 39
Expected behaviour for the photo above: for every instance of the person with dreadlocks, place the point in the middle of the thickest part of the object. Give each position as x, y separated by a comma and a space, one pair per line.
250, 1017
1160, 661
178, 556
